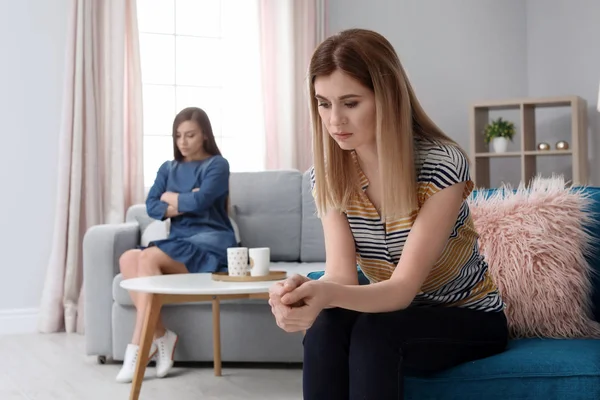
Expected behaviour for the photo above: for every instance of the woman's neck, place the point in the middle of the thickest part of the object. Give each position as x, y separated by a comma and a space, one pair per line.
368, 160
197, 157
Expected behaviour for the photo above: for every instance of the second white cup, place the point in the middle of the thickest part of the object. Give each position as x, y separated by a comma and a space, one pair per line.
260, 261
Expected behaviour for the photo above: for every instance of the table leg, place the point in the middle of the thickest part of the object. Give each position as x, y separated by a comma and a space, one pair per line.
216, 314
150, 321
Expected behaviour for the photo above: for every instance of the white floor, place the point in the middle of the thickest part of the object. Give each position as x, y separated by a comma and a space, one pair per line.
55, 367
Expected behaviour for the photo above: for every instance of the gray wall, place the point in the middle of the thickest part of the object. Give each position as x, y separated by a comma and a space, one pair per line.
460, 51
564, 58
32, 43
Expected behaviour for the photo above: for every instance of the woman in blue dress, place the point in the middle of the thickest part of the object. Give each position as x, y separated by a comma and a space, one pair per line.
192, 190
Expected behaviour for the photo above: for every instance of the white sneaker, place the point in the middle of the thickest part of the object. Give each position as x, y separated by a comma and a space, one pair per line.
166, 350
125, 375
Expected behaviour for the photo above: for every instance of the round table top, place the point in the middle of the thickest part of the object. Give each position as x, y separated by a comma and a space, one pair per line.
202, 283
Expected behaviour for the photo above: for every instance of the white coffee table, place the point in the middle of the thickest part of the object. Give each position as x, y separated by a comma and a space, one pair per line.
184, 288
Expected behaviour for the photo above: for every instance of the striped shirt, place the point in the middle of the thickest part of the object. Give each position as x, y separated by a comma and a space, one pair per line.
460, 277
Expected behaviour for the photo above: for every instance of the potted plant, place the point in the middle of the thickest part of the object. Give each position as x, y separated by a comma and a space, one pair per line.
499, 132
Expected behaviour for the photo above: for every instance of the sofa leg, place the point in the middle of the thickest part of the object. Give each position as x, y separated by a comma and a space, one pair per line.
101, 360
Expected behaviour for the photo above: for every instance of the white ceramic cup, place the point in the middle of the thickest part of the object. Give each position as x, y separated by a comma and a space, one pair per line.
260, 260
237, 261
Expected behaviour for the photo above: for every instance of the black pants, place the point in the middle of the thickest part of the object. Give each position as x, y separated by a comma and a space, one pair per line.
350, 355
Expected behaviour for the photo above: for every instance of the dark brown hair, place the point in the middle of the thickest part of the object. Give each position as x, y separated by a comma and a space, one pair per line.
200, 117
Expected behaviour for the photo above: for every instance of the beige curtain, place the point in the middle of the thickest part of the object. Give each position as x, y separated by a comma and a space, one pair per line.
100, 158
290, 31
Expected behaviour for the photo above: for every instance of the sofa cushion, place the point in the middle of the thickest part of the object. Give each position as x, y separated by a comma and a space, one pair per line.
312, 248
592, 226
535, 242
268, 209
528, 369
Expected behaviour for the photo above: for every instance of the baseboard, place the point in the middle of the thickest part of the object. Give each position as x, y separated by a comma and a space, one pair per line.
18, 321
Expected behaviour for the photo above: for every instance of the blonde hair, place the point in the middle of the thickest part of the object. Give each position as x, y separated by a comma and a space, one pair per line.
370, 59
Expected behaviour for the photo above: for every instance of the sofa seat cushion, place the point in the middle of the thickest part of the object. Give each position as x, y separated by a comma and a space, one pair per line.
528, 369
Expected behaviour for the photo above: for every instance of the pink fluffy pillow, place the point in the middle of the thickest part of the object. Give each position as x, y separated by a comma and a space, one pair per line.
534, 242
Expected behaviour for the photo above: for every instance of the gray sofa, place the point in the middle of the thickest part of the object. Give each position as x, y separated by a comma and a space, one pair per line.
272, 209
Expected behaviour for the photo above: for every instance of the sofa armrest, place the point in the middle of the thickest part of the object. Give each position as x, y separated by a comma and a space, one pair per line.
103, 245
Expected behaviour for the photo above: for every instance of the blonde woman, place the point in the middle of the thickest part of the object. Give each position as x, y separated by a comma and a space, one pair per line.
391, 189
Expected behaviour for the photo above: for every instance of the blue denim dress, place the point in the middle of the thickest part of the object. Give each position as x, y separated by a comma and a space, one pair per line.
198, 238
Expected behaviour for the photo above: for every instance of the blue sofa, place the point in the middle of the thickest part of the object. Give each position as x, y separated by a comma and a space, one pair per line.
529, 368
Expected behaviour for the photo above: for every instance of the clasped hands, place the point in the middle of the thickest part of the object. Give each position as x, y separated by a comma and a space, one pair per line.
297, 301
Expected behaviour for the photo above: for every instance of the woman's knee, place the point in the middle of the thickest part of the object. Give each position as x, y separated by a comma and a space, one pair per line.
149, 262
128, 263
332, 325
374, 337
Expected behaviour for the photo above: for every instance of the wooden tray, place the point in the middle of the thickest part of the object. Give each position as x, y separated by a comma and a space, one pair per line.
273, 276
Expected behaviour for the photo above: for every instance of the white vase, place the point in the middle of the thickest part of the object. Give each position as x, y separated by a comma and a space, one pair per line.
500, 144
